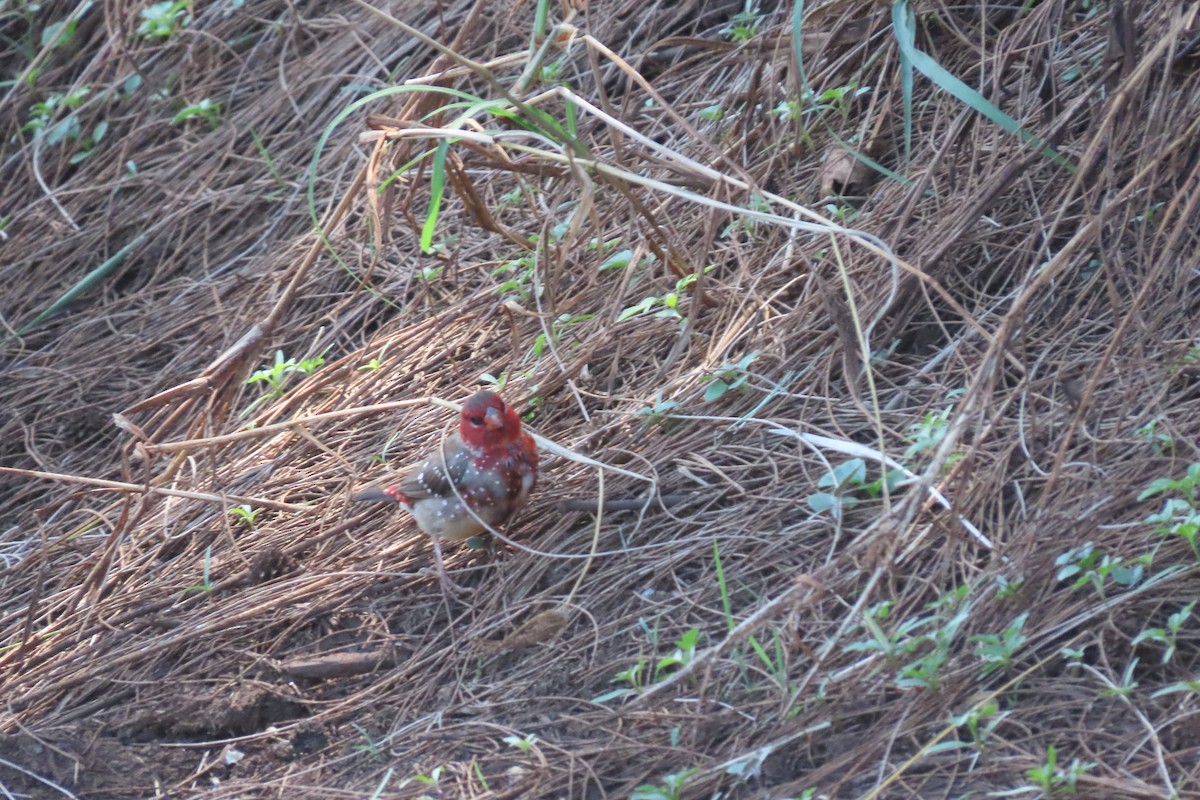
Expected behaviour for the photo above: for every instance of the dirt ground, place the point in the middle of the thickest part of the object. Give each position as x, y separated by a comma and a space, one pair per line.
887, 368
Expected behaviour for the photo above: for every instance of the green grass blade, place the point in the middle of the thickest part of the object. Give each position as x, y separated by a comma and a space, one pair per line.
90, 280
437, 188
798, 42
904, 24
725, 604
908, 23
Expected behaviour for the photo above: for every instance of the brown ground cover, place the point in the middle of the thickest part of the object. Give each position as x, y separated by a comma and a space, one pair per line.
654, 235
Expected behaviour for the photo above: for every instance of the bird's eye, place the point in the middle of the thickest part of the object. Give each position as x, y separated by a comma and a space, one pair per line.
476, 421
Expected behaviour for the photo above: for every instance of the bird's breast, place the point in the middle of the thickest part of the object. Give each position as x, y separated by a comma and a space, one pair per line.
446, 518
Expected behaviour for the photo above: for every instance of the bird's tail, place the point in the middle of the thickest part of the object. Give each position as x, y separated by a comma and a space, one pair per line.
376, 494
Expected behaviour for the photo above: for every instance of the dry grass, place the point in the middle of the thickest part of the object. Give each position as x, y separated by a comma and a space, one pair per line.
1048, 315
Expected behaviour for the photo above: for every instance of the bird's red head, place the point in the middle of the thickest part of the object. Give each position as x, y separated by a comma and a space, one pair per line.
487, 421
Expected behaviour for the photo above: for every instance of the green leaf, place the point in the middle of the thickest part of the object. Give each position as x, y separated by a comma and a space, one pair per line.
853, 471
641, 307
715, 391
61, 130
822, 502
613, 695
50, 32
131, 84
1157, 487
617, 260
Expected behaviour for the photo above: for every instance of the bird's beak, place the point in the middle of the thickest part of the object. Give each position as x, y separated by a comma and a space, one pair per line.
493, 419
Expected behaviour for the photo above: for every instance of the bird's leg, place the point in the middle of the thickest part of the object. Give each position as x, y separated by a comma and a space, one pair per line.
448, 586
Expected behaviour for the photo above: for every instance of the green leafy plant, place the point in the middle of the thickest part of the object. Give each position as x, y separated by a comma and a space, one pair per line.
1167, 636
1187, 687
637, 675
658, 413
930, 638
276, 376
246, 514
617, 260
890, 645
1179, 516
671, 787
1090, 565
997, 650
161, 20
369, 745
729, 378
552, 72
813, 103
207, 110
667, 304
926, 435
840, 212
1051, 779
776, 664
522, 743
511, 199
1190, 359
557, 328
745, 223
1128, 682
1008, 589
1186, 485
979, 723
1161, 443
431, 273
54, 119
432, 780
743, 25
685, 651
844, 478
847, 478
59, 34
518, 278
950, 613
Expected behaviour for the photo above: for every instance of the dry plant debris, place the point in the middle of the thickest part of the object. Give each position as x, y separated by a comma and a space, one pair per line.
276, 232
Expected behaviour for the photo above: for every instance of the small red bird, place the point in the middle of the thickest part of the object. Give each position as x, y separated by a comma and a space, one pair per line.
490, 461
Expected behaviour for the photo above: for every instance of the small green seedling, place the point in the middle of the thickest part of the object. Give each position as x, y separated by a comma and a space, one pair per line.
659, 413
161, 20
1089, 564
206, 585
247, 514
997, 650
743, 25
729, 378
1167, 636
275, 377
522, 743
671, 787
207, 110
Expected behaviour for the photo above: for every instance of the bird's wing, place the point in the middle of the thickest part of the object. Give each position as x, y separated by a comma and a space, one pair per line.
434, 476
